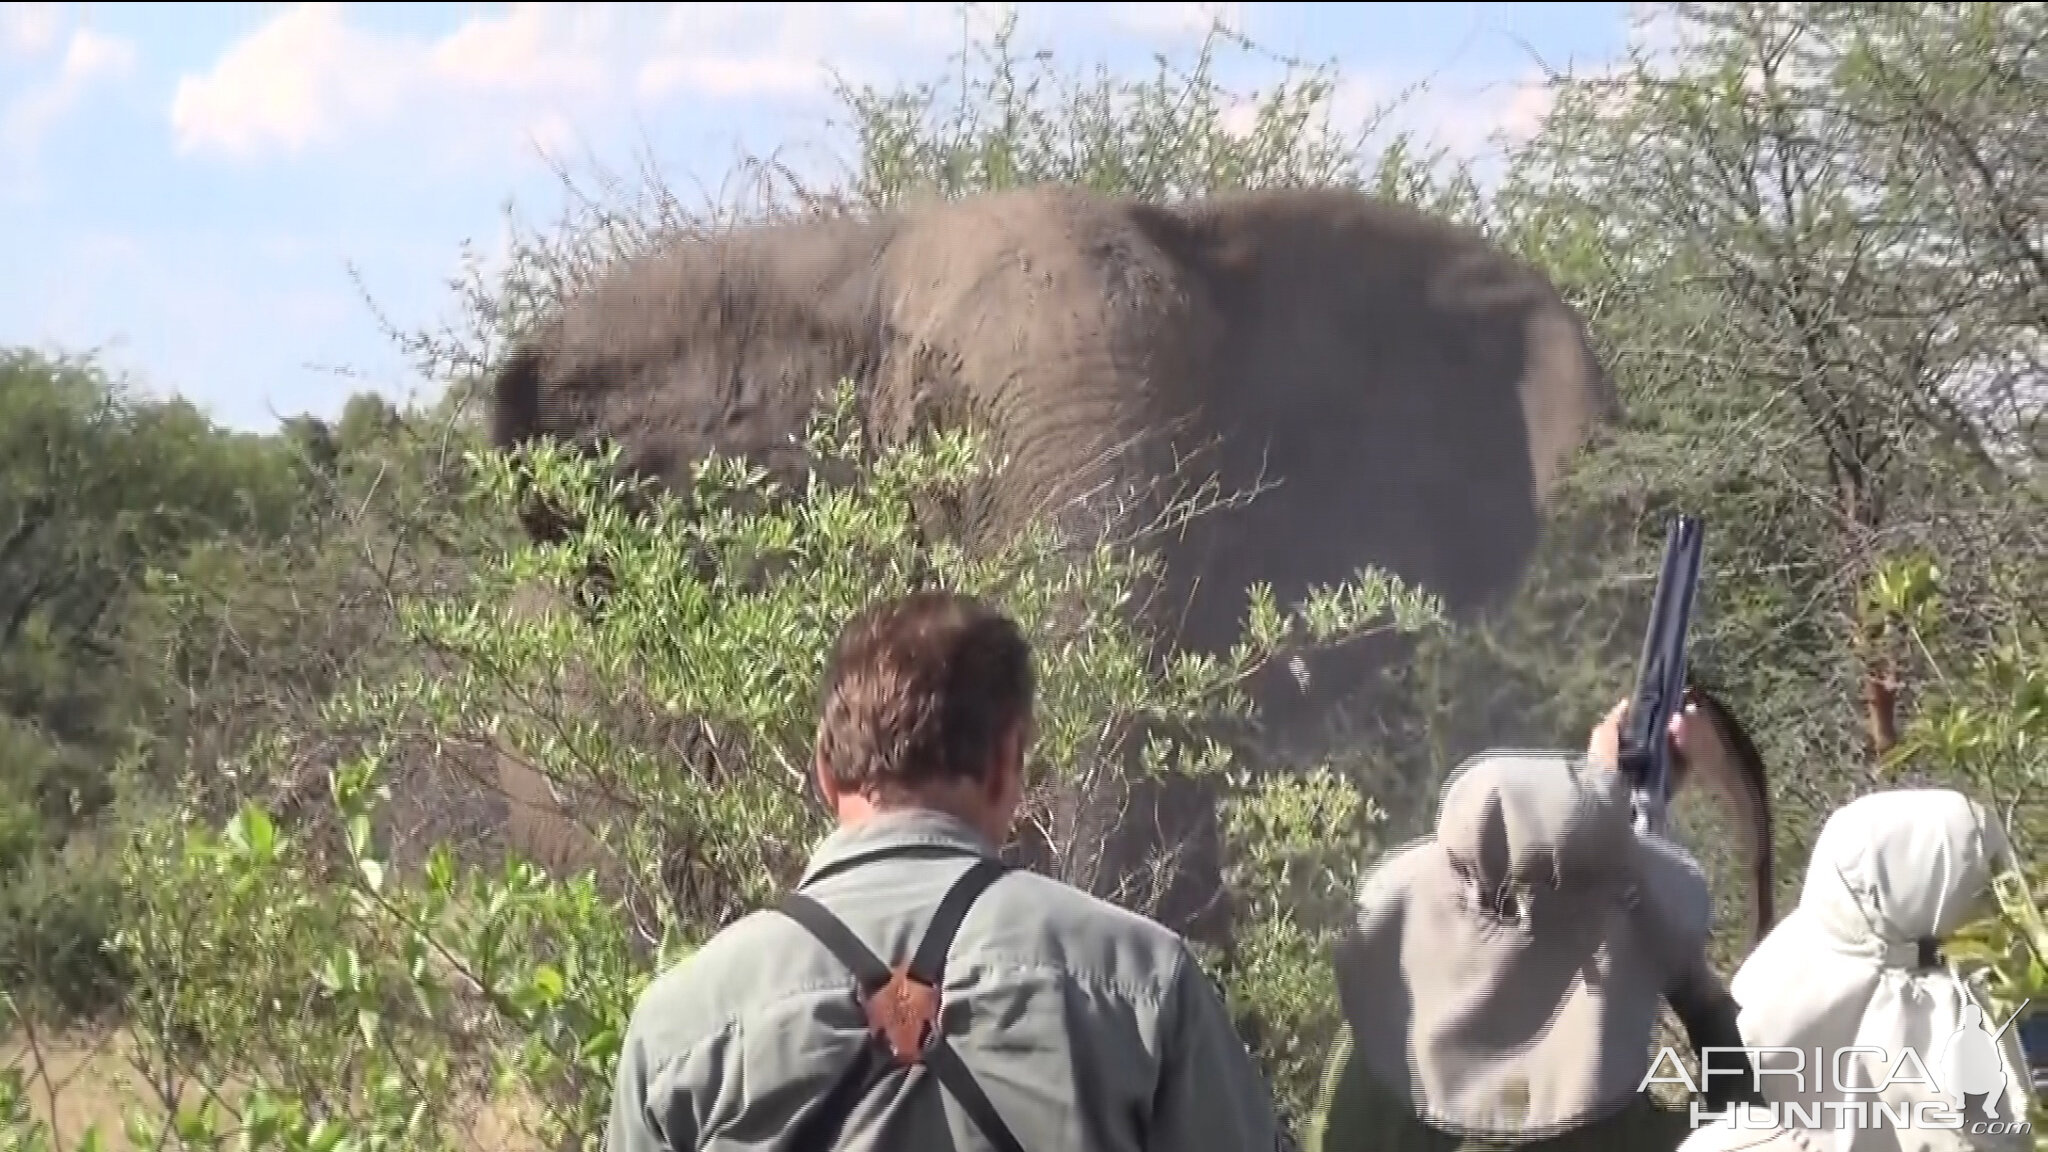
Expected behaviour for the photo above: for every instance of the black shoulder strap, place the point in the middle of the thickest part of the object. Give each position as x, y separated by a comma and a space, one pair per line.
917, 981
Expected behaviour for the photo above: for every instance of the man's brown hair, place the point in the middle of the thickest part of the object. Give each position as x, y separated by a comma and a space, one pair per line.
922, 688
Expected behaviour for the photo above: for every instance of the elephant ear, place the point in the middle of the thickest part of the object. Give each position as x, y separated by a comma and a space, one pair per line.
1724, 757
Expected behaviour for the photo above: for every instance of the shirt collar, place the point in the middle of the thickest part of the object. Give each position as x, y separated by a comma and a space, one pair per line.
906, 827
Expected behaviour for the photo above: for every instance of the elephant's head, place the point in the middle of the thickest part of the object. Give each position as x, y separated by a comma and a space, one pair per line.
698, 349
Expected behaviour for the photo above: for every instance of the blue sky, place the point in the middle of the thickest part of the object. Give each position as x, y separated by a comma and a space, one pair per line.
183, 187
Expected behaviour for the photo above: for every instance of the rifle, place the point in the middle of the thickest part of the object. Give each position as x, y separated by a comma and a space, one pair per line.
1660, 678
1709, 1016
1728, 758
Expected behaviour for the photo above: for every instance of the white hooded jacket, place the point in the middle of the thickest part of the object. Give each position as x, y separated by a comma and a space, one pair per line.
1853, 965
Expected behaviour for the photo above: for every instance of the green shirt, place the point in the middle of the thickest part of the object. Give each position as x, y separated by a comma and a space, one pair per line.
1089, 1027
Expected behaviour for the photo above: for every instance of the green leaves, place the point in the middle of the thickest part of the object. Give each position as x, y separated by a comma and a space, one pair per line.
1983, 728
252, 834
345, 992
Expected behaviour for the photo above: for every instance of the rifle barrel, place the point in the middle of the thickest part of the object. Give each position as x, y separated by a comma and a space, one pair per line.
1661, 675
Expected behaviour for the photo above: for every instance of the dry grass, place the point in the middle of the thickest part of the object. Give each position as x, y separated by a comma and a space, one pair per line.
82, 1080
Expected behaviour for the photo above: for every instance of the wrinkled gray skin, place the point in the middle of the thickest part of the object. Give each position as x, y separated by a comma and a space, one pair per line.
1412, 391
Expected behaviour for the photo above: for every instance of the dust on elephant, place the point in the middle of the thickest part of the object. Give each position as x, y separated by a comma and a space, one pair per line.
1404, 393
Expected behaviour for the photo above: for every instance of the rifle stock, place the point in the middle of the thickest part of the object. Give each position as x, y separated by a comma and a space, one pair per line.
1660, 677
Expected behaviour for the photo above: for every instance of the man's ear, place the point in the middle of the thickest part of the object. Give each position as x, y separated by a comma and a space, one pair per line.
822, 782
1009, 764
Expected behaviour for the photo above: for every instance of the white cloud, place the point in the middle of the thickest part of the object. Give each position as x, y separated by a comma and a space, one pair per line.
1465, 118
546, 74
1358, 100
1526, 108
308, 77
292, 82
29, 29
1239, 118
784, 50
89, 58
1175, 20
1470, 122
533, 47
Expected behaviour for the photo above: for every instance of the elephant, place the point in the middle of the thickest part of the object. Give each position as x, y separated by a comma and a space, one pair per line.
1403, 393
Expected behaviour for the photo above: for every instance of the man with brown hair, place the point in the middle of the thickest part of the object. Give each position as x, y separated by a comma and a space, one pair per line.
915, 993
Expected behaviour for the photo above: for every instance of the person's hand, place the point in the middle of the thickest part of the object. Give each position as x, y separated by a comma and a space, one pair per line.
1691, 735
1603, 748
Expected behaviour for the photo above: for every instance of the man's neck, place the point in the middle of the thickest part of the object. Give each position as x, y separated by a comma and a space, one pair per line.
857, 809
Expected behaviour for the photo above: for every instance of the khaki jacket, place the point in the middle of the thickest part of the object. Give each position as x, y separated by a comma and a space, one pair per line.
1088, 1027
1358, 1115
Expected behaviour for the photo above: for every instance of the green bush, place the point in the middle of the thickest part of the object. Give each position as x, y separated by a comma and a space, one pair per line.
1984, 730
57, 890
58, 911
293, 962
